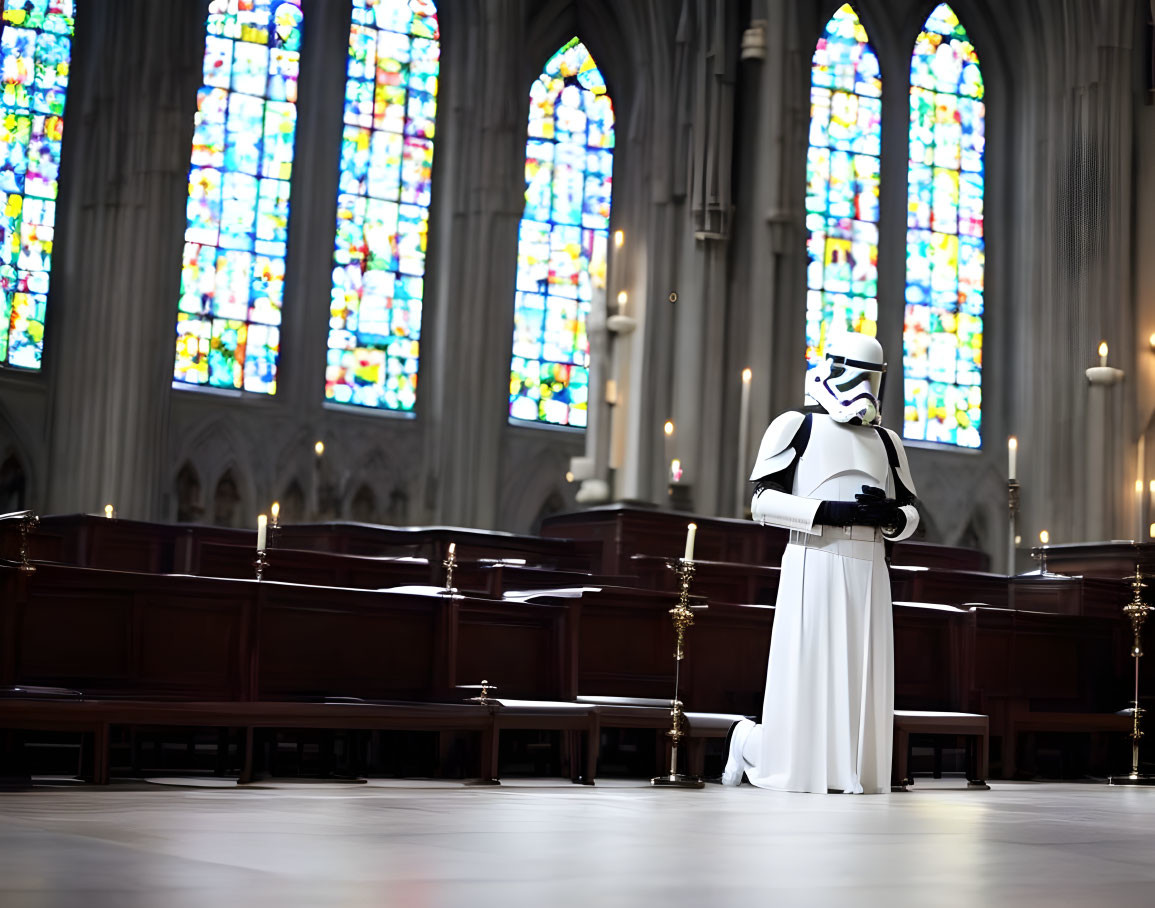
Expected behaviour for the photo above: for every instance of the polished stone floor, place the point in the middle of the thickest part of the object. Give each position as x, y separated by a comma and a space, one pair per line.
544, 843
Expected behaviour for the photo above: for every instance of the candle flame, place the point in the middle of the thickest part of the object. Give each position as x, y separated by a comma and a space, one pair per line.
319, 448
275, 510
669, 427
1103, 348
623, 298
569, 476
1044, 537
1012, 443
1151, 339
1139, 485
108, 511
1151, 486
619, 238
676, 470
747, 374
1151, 531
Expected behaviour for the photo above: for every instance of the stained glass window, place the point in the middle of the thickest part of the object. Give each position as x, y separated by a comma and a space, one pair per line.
564, 233
232, 280
383, 204
842, 177
35, 52
943, 333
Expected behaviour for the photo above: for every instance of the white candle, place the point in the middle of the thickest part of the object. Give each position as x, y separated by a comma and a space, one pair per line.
691, 532
262, 524
1103, 353
452, 549
743, 444
1012, 452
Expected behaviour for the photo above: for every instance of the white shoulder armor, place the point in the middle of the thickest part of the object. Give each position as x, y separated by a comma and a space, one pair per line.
775, 453
902, 469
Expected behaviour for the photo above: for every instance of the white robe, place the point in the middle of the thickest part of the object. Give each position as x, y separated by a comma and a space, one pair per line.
827, 718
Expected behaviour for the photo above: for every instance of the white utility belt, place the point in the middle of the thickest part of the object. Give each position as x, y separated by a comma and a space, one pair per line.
853, 541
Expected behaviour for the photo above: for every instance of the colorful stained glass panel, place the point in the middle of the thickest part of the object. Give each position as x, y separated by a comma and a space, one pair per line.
563, 238
943, 331
386, 187
236, 232
842, 184
35, 55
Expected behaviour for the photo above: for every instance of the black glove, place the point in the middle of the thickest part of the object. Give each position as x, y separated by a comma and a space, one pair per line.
837, 513
876, 510
870, 508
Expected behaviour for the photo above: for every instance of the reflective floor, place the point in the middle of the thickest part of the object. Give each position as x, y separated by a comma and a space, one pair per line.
547, 844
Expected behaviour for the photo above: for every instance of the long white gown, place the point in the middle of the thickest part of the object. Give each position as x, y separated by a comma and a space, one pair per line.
829, 703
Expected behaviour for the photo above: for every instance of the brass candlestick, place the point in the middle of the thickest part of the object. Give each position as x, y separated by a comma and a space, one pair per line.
450, 564
683, 617
260, 564
485, 687
28, 522
1013, 512
1136, 610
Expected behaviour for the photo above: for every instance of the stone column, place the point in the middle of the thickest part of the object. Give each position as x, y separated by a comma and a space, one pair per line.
128, 131
468, 327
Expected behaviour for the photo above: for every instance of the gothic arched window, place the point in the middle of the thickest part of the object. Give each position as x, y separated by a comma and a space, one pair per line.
35, 55
233, 275
383, 204
945, 250
842, 178
563, 237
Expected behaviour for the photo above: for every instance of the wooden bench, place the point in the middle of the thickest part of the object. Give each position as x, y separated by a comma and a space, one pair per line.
971, 726
1022, 721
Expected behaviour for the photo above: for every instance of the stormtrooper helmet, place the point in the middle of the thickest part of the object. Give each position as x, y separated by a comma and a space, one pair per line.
848, 383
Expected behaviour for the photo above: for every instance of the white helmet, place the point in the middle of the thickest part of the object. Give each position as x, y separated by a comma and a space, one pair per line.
848, 383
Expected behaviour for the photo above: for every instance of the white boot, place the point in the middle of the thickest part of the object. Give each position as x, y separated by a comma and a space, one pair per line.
735, 765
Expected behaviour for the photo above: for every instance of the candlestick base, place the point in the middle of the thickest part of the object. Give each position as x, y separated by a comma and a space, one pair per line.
1134, 778
1104, 376
677, 780
260, 564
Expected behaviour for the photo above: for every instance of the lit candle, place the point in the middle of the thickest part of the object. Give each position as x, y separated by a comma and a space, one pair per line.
619, 238
319, 448
275, 510
108, 512
452, 549
743, 468
262, 524
623, 298
1103, 353
691, 532
676, 470
1012, 456
1044, 537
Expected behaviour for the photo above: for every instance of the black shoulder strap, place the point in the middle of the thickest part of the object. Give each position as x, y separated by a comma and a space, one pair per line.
802, 437
902, 493
891, 453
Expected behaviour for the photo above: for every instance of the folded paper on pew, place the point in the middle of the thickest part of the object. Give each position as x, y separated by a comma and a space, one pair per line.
414, 590
566, 592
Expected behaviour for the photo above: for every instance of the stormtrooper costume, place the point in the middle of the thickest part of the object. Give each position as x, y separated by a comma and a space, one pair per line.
841, 484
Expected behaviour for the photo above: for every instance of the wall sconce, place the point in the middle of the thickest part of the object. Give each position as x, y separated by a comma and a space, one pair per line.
1102, 374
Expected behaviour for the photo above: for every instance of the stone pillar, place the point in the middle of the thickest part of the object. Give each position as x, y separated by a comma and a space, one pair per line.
469, 315
128, 131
